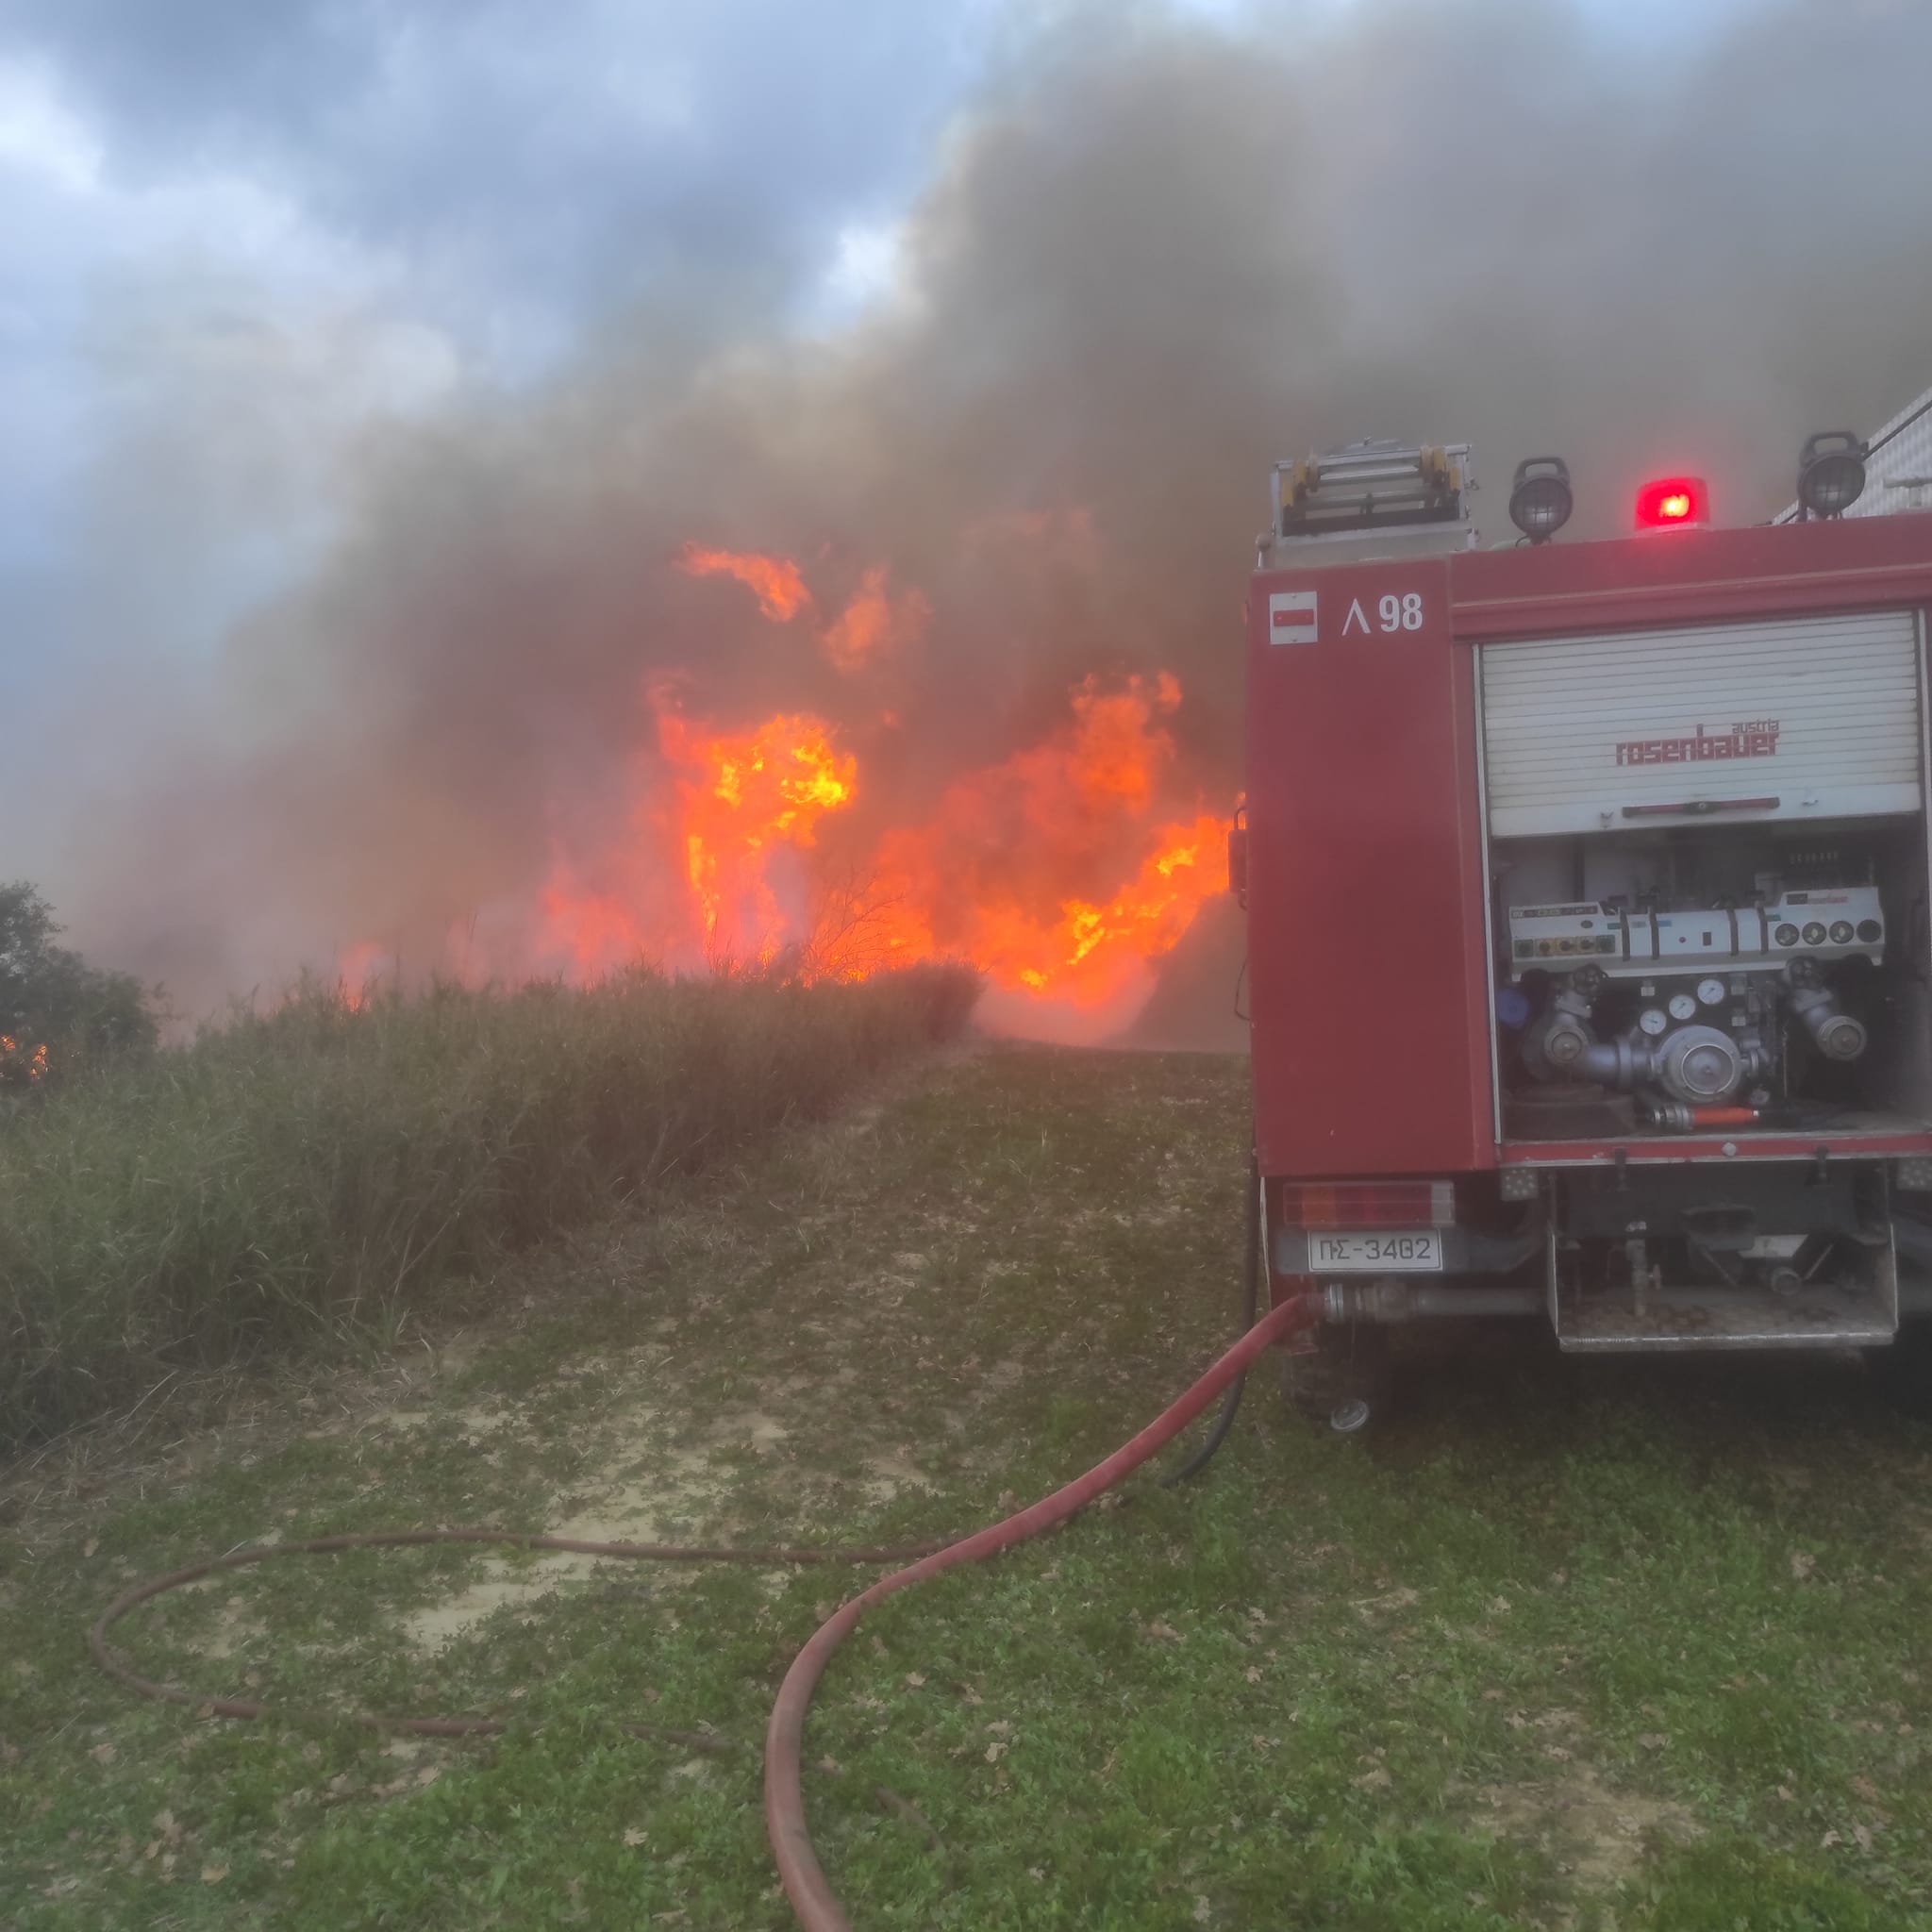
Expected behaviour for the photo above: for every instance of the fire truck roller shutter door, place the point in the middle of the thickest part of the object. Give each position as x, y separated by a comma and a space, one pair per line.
1794, 718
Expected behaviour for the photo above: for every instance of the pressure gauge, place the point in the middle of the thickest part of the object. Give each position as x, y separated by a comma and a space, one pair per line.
1711, 992
1683, 1007
1653, 1022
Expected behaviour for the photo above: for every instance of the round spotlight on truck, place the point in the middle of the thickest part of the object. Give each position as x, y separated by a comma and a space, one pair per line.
1540, 497
1831, 473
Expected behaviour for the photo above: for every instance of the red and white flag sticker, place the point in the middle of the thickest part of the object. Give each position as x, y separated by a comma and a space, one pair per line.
1292, 617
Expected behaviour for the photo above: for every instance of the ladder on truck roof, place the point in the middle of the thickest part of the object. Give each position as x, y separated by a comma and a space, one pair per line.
1369, 499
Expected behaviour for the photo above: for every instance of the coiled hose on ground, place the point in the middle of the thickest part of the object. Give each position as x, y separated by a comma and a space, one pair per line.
812, 1899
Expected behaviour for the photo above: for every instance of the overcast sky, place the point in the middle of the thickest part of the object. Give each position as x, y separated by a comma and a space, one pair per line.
288, 219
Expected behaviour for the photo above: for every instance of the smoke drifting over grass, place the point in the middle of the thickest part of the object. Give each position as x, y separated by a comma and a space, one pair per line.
1157, 256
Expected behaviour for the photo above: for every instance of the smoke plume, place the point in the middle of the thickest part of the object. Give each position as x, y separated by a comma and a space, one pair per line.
1011, 511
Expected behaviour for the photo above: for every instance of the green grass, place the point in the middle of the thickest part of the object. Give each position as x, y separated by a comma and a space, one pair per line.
322, 1169
1629, 1644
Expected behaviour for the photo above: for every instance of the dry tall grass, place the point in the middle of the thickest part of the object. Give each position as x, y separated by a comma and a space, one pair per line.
307, 1172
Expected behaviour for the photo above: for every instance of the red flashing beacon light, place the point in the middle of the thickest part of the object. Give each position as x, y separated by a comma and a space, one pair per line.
1673, 503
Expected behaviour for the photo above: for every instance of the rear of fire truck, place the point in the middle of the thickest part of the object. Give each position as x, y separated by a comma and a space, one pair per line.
1591, 967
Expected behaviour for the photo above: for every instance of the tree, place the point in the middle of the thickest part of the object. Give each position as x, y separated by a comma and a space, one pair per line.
56, 1010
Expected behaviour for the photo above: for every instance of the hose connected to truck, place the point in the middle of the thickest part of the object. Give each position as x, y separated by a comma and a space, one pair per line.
812, 1899
1251, 1310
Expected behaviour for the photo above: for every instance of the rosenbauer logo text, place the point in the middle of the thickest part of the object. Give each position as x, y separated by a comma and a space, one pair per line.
1754, 740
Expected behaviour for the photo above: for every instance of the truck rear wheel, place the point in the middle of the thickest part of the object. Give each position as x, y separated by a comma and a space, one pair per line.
1904, 1371
1344, 1380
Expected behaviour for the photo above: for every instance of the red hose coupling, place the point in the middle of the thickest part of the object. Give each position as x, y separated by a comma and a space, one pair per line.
1282, 1288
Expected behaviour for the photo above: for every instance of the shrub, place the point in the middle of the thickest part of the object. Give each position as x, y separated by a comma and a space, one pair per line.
58, 1014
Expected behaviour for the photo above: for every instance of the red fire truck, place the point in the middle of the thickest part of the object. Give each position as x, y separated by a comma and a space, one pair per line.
1590, 959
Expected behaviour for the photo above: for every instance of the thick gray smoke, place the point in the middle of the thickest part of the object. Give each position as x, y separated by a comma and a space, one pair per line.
1153, 260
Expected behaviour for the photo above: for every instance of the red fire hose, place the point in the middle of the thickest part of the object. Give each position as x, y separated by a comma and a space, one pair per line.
811, 1897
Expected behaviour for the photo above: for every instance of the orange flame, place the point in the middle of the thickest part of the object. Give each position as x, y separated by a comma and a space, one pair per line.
33, 1063
1055, 871
751, 795
359, 970
775, 581
874, 625
714, 866
1060, 872
1004, 873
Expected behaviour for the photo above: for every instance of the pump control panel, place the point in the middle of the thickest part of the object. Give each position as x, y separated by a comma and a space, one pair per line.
1825, 924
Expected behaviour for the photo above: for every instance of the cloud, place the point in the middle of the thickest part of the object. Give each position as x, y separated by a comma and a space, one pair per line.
40, 133
867, 265
588, 155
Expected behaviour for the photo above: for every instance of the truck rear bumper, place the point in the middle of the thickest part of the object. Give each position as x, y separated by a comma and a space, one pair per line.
1845, 1135
1671, 1150
1670, 1320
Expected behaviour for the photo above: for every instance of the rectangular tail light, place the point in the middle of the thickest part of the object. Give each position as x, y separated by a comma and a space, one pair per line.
1368, 1204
